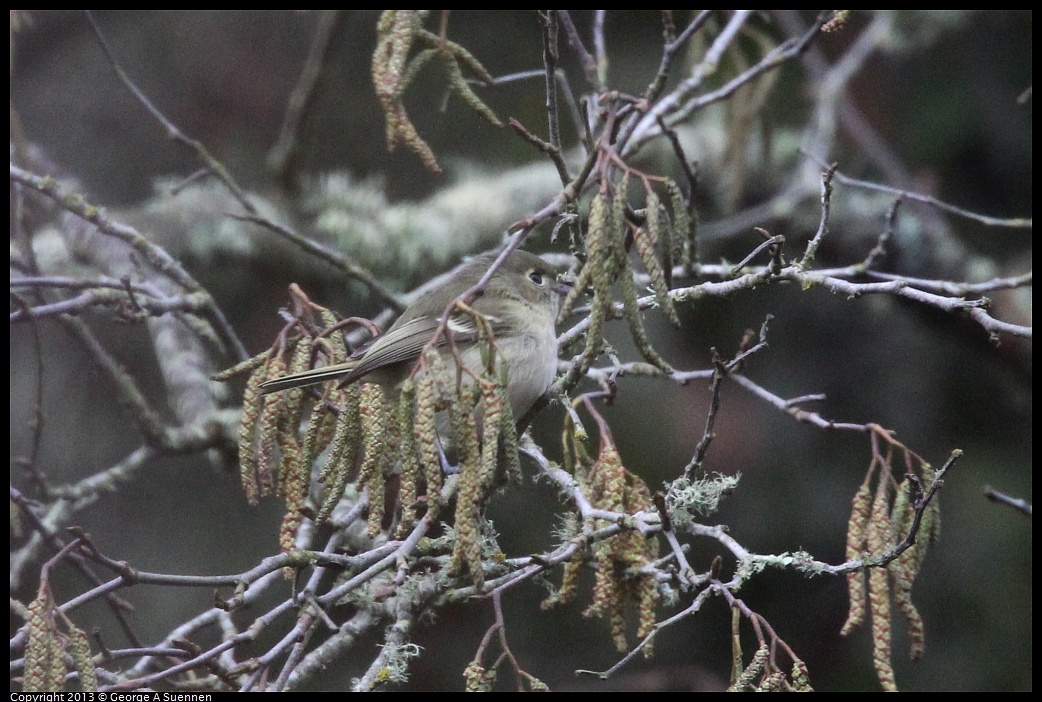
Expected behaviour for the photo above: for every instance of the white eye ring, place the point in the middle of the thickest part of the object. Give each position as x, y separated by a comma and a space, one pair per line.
537, 278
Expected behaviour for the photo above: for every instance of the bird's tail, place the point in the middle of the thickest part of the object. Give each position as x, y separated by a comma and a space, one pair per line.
308, 377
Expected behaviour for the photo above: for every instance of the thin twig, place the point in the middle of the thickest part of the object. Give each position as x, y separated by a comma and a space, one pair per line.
283, 154
172, 131
338, 260
1005, 222
1001, 498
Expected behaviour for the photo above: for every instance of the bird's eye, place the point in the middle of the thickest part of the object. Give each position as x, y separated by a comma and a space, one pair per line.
536, 277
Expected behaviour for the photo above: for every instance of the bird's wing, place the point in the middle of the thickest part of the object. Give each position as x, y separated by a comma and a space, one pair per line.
402, 343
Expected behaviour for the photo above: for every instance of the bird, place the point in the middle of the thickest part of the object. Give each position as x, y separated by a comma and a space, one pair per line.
519, 302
